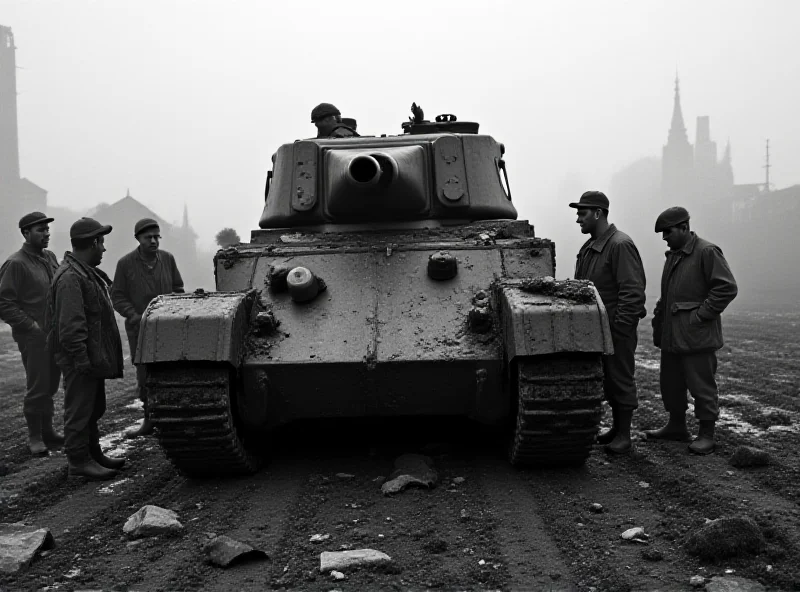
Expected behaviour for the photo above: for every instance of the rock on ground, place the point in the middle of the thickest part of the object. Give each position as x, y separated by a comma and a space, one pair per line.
726, 537
410, 469
341, 560
19, 544
152, 521
223, 551
733, 584
749, 456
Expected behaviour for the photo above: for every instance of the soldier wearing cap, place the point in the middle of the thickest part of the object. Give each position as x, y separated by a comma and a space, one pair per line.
141, 275
696, 287
83, 336
611, 261
24, 281
329, 123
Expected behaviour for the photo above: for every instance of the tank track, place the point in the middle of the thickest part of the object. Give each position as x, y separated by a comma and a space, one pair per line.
190, 406
559, 409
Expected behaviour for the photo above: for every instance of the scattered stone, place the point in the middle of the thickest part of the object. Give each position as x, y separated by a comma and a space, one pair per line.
379, 479
318, 538
697, 581
224, 551
345, 476
152, 521
482, 562
733, 584
726, 537
635, 535
596, 508
337, 575
340, 560
410, 469
19, 544
644, 484
652, 555
749, 456
458, 480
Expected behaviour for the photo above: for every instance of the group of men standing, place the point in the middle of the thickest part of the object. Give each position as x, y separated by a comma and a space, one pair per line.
696, 287
62, 318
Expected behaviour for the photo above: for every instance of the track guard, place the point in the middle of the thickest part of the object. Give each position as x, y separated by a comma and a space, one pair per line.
198, 327
538, 322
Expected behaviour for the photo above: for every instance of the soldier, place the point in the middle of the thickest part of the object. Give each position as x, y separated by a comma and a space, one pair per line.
329, 124
611, 261
143, 274
696, 286
83, 336
24, 281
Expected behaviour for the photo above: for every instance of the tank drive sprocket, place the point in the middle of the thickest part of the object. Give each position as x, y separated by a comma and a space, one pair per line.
192, 408
558, 408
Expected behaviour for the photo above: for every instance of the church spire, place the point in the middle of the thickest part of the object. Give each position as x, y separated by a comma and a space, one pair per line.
677, 131
185, 216
727, 156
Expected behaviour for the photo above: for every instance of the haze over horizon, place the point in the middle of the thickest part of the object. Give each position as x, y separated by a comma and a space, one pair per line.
186, 102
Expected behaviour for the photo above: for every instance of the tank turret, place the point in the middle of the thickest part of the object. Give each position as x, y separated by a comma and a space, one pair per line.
389, 276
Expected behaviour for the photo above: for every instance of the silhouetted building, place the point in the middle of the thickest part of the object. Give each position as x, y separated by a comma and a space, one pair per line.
692, 173
17, 195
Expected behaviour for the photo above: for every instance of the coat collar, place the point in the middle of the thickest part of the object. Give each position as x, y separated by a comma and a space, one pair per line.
86, 270
599, 243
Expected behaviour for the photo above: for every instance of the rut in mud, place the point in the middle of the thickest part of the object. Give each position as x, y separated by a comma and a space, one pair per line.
485, 526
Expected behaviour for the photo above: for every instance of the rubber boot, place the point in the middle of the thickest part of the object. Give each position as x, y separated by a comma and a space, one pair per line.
621, 444
143, 430
84, 465
107, 462
35, 443
675, 429
704, 443
52, 439
608, 436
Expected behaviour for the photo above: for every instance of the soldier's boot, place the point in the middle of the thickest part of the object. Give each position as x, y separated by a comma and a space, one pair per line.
608, 436
35, 443
52, 439
145, 429
621, 444
83, 465
704, 443
107, 462
675, 429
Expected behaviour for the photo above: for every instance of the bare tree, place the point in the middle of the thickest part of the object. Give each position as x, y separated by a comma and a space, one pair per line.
227, 237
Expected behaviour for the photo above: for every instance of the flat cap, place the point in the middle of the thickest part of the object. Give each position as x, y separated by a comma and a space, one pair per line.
88, 228
33, 218
323, 110
591, 199
671, 217
144, 224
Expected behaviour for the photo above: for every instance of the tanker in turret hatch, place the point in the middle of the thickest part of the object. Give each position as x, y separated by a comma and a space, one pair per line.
389, 277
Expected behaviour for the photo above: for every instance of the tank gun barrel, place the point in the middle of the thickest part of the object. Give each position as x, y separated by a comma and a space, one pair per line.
372, 170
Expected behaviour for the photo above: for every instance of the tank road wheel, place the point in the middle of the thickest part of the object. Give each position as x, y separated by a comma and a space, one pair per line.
193, 410
559, 408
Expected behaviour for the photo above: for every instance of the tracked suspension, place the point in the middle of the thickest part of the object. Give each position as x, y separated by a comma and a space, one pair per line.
192, 410
559, 409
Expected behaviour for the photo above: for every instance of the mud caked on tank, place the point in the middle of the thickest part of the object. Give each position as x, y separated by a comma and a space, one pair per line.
389, 276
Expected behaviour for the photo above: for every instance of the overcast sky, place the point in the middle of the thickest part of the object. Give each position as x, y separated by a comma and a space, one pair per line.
186, 101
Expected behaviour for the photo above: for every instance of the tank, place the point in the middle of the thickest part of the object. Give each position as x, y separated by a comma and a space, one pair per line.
389, 276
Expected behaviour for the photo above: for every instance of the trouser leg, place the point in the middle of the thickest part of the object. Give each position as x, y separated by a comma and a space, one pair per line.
673, 383
41, 376
84, 405
619, 382
133, 338
700, 370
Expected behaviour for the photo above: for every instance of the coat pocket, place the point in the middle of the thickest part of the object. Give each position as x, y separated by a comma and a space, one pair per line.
691, 337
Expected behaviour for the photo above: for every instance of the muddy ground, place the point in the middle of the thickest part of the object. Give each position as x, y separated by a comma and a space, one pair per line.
499, 529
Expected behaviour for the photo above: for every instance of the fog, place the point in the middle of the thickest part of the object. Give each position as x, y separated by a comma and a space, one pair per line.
184, 103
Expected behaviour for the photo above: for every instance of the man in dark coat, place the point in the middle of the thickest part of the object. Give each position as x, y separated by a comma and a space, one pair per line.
143, 274
24, 282
611, 261
328, 120
696, 287
82, 333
